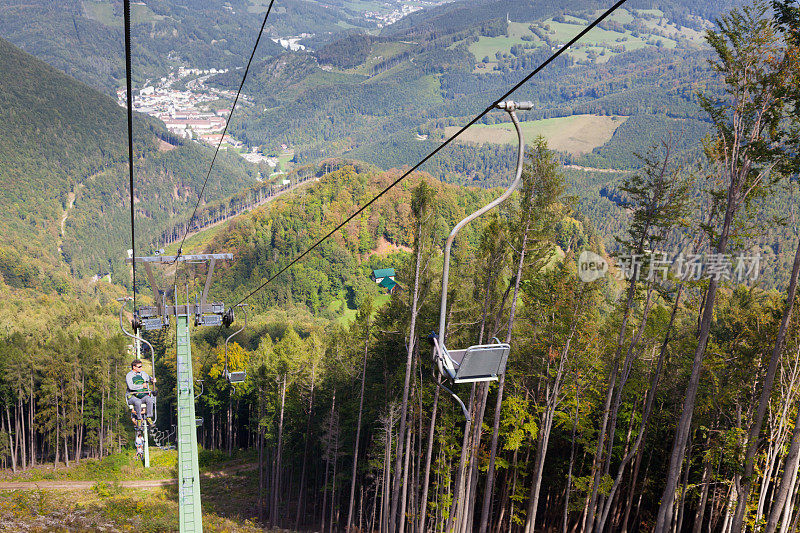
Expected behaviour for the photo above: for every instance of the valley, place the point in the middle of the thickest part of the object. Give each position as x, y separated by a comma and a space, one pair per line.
592, 354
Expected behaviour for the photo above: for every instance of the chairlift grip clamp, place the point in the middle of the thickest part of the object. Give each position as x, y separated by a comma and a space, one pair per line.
511, 105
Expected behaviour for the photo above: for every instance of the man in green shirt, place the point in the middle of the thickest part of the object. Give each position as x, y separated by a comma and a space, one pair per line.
138, 391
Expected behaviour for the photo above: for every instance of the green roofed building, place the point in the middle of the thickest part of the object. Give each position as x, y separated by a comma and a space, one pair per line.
389, 284
381, 273
385, 278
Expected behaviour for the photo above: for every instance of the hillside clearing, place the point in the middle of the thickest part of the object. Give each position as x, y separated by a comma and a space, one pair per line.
577, 134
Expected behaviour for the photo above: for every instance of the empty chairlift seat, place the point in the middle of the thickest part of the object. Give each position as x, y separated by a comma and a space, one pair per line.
482, 362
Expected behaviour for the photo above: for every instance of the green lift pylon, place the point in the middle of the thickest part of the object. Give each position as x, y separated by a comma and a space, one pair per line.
154, 318
190, 513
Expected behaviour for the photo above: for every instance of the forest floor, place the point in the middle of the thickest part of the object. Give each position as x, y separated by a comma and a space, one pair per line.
47, 499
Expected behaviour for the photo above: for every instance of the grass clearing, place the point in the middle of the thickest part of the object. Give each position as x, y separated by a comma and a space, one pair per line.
379, 52
110, 508
489, 46
349, 315
104, 13
118, 467
577, 134
196, 242
651, 12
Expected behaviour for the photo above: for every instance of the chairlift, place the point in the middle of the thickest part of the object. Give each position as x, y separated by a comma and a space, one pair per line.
137, 325
228, 318
484, 362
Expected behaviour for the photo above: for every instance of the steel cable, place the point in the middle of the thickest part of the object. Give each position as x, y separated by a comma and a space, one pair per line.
440, 147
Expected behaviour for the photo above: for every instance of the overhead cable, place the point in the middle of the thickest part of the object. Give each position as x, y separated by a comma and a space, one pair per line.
128, 71
225, 129
550, 59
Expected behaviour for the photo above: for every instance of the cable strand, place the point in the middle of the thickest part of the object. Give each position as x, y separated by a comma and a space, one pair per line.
128, 83
440, 147
224, 130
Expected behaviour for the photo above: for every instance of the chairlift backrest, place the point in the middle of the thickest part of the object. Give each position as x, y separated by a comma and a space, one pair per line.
236, 377
485, 362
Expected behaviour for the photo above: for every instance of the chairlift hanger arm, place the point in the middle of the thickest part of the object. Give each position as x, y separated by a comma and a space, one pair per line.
135, 337
234, 377
456, 397
510, 107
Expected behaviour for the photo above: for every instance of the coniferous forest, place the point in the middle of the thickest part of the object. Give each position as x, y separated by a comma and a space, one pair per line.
653, 379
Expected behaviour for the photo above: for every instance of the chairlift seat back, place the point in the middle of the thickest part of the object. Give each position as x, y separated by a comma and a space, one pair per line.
236, 377
483, 362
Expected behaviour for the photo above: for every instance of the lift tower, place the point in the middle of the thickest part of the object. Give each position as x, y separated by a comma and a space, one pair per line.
156, 317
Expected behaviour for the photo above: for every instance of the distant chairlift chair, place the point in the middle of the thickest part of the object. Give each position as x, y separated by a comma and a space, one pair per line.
233, 378
483, 362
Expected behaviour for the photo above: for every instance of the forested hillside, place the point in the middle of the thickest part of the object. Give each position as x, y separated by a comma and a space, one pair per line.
63, 182
647, 288
83, 38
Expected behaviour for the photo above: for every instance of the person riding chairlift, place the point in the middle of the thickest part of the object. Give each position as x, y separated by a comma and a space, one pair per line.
139, 392
139, 446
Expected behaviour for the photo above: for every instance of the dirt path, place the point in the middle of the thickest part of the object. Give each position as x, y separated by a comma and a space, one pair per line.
70, 204
82, 485
131, 484
590, 169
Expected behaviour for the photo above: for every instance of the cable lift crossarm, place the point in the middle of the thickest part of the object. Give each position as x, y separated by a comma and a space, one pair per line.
510, 107
483, 113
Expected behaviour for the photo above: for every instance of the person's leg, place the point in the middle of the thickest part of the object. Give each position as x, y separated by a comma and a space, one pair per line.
151, 403
137, 406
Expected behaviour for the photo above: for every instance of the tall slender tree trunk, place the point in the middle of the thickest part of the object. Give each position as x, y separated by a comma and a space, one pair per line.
544, 437
763, 401
787, 480
31, 431
701, 506
387, 473
456, 507
423, 506
230, 425
101, 435
565, 518
12, 447
79, 431
648, 409
791, 503
276, 479
65, 431
300, 497
684, 484
490, 473
404, 490
412, 337
261, 480
333, 487
358, 432
58, 433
